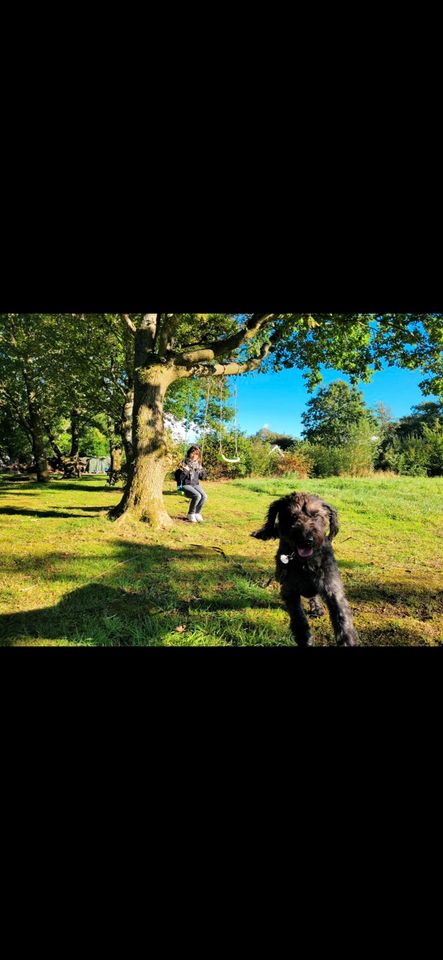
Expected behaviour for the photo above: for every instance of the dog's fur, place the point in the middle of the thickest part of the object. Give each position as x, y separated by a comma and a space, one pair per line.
312, 570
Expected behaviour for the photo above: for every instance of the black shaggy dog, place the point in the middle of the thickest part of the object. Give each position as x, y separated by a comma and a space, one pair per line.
306, 566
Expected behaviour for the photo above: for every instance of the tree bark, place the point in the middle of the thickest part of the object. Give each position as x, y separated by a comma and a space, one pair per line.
115, 450
75, 434
37, 433
55, 446
143, 496
126, 426
116, 460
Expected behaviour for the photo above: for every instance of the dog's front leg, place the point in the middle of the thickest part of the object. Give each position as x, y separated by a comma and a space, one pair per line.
301, 630
341, 616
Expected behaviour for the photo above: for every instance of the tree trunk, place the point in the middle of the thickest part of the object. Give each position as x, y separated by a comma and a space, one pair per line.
37, 433
55, 446
143, 496
126, 426
116, 459
75, 434
115, 451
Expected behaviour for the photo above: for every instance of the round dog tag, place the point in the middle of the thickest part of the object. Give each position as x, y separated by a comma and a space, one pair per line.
284, 558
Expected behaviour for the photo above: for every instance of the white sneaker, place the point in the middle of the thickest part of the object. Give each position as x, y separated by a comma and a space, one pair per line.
192, 518
199, 518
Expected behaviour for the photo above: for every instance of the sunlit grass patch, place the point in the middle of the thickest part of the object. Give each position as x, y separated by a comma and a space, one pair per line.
69, 577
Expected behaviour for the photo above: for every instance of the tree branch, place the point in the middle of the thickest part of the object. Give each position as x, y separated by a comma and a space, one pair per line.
165, 329
53, 441
145, 339
200, 369
21, 418
216, 348
129, 323
149, 323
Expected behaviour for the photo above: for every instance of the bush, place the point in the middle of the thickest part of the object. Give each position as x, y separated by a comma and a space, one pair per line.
433, 437
417, 454
357, 456
354, 458
412, 458
262, 461
293, 462
326, 461
232, 447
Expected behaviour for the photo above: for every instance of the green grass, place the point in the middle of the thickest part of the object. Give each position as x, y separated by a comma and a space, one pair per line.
70, 577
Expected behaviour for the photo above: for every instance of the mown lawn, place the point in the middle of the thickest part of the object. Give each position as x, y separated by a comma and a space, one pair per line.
69, 576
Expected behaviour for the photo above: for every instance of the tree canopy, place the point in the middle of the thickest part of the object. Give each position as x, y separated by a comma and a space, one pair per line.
332, 414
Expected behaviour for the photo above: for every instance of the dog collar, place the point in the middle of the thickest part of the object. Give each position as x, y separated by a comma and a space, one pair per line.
286, 557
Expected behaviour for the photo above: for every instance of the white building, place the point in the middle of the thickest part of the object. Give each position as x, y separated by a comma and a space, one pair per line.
178, 429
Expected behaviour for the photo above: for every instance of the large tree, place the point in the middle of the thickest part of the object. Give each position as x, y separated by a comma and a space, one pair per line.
423, 414
333, 413
413, 441
173, 347
54, 366
27, 355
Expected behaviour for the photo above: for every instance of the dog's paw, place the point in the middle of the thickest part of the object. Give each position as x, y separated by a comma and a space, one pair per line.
265, 533
316, 609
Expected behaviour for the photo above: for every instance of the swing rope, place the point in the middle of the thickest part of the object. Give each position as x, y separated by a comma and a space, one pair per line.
222, 456
235, 459
205, 421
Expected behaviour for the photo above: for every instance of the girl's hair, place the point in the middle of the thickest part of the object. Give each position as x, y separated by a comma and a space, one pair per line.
192, 450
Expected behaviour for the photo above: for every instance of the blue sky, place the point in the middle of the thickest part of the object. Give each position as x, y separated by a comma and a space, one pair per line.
277, 400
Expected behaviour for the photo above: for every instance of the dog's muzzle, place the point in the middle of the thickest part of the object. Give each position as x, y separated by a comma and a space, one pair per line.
305, 552
305, 547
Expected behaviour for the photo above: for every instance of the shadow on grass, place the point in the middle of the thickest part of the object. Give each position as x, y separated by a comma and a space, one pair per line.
12, 483
11, 478
100, 509
414, 596
392, 635
151, 591
58, 514
93, 485
21, 487
389, 602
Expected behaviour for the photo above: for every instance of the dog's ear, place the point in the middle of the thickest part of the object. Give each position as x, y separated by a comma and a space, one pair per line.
269, 531
333, 520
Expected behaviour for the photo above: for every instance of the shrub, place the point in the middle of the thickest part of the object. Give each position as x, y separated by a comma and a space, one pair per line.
293, 462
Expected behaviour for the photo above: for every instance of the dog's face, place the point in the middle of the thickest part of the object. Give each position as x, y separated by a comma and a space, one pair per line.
302, 519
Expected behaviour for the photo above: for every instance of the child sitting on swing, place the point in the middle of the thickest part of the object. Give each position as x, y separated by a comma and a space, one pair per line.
188, 475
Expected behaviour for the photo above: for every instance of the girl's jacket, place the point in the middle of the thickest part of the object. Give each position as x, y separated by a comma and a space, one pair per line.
190, 474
